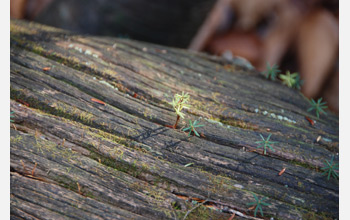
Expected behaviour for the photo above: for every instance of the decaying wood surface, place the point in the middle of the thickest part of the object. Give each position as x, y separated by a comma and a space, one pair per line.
90, 138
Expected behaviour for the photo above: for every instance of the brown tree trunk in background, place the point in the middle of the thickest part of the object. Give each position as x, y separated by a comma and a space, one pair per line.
317, 44
18, 8
163, 22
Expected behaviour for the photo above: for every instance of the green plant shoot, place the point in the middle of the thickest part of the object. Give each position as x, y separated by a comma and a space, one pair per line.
11, 116
330, 168
179, 102
192, 128
266, 143
271, 71
258, 203
291, 80
318, 107
298, 82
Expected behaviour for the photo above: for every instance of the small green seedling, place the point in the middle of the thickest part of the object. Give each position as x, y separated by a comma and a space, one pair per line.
298, 82
192, 128
291, 80
271, 71
266, 143
11, 116
318, 106
331, 168
258, 203
180, 102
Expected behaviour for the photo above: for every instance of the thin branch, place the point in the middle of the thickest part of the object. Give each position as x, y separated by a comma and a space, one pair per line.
189, 211
243, 215
33, 170
177, 121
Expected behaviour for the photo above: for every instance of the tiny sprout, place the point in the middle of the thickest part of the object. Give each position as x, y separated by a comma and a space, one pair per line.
192, 128
266, 143
318, 106
330, 168
178, 103
258, 203
11, 116
298, 82
291, 80
271, 71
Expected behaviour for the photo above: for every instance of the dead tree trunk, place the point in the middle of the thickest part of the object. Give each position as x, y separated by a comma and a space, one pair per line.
90, 138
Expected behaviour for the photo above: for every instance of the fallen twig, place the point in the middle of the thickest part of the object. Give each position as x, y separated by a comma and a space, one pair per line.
79, 188
243, 215
282, 171
232, 216
34, 169
98, 101
189, 211
24, 167
234, 211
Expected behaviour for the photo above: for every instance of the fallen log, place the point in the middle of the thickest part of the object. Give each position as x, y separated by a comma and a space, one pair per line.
90, 137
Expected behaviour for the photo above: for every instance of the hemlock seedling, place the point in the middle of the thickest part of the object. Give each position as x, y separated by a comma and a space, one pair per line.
266, 143
298, 82
291, 80
192, 128
318, 107
11, 116
330, 169
178, 103
258, 203
271, 71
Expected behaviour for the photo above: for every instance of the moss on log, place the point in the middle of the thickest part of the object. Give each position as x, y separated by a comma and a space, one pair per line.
73, 157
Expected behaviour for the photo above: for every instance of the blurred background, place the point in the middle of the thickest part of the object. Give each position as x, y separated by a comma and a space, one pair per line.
298, 35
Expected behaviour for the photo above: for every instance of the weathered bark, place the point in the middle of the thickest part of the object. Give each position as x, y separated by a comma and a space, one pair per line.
121, 160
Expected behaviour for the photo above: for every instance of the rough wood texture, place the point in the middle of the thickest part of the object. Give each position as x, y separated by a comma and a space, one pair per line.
121, 161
